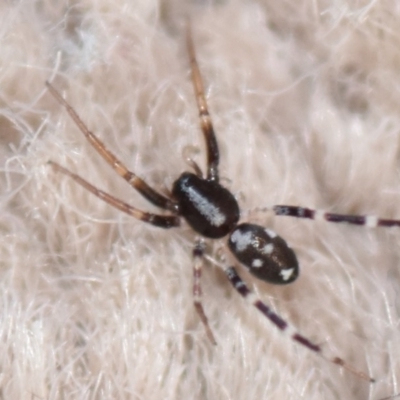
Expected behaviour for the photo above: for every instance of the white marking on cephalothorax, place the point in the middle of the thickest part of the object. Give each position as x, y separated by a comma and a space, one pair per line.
286, 273
270, 233
268, 248
371, 221
257, 263
212, 213
241, 240
319, 215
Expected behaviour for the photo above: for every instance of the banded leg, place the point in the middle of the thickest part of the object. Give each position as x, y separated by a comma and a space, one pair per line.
370, 221
283, 326
198, 256
162, 221
205, 119
137, 183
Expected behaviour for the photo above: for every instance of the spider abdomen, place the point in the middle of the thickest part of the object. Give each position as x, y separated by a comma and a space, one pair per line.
208, 207
266, 255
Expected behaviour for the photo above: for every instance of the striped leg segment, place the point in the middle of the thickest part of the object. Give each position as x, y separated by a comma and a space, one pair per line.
137, 183
198, 255
162, 221
284, 326
370, 221
205, 119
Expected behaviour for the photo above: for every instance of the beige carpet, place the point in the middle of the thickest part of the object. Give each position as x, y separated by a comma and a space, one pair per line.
305, 99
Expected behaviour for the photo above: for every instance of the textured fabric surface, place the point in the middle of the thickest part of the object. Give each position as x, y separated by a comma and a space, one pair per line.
305, 101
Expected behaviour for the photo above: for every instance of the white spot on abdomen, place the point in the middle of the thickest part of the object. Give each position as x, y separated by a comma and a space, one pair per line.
241, 240
257, 263
268, 248
286, 273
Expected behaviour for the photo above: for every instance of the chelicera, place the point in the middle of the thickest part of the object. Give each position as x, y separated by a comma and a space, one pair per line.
213, 212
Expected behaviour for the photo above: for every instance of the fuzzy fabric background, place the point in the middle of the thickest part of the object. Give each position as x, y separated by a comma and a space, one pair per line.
305, 99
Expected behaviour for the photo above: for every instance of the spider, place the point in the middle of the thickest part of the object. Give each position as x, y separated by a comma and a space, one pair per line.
212, 212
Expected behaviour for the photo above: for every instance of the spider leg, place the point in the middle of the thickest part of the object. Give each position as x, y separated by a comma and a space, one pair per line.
162, 221
370, 221
205, 119
137, 183
284, 326
198, 255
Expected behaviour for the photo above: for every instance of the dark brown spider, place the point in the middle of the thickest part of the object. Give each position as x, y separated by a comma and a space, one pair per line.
213, 212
